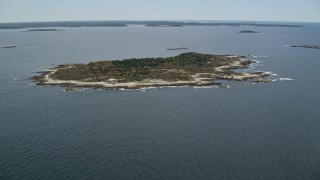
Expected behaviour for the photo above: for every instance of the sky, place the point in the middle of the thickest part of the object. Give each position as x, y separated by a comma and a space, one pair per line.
245, 10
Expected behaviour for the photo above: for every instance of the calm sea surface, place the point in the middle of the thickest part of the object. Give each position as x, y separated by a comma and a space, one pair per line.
267, 131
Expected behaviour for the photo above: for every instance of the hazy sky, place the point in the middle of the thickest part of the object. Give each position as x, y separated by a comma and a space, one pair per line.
64, 10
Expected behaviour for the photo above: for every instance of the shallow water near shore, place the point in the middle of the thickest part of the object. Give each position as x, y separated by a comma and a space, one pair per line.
247, 131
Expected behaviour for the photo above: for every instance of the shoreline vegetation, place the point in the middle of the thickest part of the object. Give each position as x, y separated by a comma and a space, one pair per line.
186, 69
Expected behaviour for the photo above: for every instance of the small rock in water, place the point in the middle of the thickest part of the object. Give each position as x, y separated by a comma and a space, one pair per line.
71, 89
259, 81
223, 86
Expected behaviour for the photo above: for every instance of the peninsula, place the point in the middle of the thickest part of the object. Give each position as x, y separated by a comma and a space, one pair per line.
186, 69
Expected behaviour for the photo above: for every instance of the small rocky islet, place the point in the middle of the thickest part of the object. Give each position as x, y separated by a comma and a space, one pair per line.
186, 69
9, 46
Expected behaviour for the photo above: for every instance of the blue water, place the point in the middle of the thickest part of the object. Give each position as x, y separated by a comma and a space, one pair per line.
265, 131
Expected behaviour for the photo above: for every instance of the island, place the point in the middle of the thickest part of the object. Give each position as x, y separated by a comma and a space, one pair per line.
248, 31
186, 69
45, 30
307, 46
178, 48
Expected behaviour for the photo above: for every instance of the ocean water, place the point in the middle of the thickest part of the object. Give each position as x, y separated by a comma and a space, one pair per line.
263, 131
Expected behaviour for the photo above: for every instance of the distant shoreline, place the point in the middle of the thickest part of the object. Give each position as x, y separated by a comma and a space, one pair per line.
126, 23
